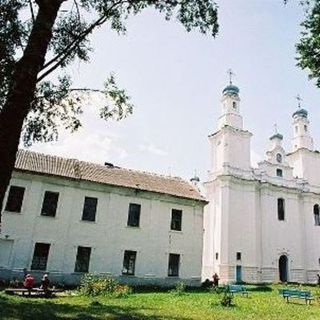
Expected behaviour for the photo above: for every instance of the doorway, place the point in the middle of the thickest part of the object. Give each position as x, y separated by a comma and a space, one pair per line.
238, 274
283, 268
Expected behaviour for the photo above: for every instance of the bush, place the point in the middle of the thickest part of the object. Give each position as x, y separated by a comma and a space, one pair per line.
226, 300
93, 285
179, 289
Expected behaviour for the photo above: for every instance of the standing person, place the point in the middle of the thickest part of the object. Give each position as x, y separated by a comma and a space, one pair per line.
216, 279
45, 282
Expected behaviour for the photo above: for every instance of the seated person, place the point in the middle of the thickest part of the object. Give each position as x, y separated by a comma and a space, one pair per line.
45, 282
28, 281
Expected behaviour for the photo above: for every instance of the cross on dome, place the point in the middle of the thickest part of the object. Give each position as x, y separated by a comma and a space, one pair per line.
299, 99
231, 74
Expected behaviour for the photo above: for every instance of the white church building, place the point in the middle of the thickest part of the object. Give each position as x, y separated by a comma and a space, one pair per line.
66, 217
261, 224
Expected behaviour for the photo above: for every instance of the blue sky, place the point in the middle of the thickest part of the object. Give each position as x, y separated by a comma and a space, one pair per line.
175, 80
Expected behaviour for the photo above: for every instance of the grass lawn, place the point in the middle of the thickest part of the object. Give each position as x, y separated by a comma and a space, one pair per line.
262, 304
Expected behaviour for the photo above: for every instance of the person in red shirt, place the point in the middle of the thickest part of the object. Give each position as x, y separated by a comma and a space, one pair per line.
28, 281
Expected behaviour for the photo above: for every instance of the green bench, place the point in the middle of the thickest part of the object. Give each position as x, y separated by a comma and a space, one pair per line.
237, 288
296, 293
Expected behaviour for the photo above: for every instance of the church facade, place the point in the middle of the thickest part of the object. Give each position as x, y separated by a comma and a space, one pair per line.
261, 224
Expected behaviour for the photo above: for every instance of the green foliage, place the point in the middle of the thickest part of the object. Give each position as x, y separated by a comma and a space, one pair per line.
180, 288
308, 47
93, 285
226, 300
57, 105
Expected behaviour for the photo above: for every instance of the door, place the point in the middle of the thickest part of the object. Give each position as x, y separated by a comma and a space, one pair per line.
238, 274
5, 252
283, 268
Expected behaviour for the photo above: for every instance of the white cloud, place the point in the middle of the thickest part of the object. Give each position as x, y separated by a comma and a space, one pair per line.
151, 148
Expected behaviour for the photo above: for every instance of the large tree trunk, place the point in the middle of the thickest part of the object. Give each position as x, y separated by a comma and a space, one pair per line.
22, 89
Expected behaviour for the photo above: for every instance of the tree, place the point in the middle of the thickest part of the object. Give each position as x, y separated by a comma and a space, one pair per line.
308, 47
38, 37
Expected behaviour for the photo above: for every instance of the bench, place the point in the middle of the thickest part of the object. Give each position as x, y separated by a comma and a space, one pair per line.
296, 293
237, 288
32, 292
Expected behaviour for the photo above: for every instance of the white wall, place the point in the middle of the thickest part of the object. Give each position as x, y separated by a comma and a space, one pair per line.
109, 235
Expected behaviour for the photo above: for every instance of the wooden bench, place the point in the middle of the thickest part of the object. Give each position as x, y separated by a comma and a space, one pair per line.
237, 288
296, 293
32, 292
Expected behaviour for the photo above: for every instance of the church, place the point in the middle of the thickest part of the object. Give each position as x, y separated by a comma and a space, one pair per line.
251, 224
261, 224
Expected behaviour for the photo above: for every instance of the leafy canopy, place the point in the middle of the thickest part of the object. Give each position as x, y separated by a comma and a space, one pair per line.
56, 105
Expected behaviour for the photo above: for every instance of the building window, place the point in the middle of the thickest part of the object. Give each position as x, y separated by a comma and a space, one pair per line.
129, 262
238, 255
281, 209
296, 128
176, 219
316, 215
15, 198
40, 256
279, 173
234, 105
217, 255
49, 204
89, 209
173, 267
134, 215
279, 157
305, 128
82, 259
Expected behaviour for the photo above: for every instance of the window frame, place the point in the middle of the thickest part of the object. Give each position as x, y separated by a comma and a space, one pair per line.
281, 209
133, 221
53, 207
174, 270
173, 227
34, 264
11, 206
86, 214
128, 270
238, 255
316, 214
279, 173
78, 264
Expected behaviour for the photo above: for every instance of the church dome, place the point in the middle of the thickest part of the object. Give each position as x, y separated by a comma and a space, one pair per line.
231, 89
301, 112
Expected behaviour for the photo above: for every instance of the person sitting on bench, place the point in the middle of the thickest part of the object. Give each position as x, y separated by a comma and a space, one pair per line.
45, 283
28, 282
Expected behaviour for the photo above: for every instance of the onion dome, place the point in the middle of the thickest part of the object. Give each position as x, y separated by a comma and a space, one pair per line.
231, 89
301, 112
277, 136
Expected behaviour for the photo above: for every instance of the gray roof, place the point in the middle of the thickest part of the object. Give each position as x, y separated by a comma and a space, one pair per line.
38, 163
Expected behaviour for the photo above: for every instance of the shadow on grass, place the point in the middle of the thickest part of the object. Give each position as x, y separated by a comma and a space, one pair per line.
36, 309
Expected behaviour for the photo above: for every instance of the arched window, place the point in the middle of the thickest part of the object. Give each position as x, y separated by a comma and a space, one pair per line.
316, 215
281, 209
234, 104
305, 128
279, 157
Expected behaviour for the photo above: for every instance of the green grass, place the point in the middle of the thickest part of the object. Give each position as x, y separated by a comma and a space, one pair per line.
263, 303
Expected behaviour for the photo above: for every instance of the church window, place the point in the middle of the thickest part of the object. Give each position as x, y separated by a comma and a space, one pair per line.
296, 128
49, 204
217, 255
129, 262
238, 256
82, 259
316, 215
281, 209
279, 157
134, 215
15, 198
40, 256
305, 128
234, 105
279, 173
173, 267
176, 219
89, 209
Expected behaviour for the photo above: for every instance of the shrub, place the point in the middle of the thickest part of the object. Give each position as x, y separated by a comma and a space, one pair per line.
226, 300
94, 285
179, 289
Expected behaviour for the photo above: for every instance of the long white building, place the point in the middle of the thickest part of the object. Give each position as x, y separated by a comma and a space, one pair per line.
262, 224
66, 217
